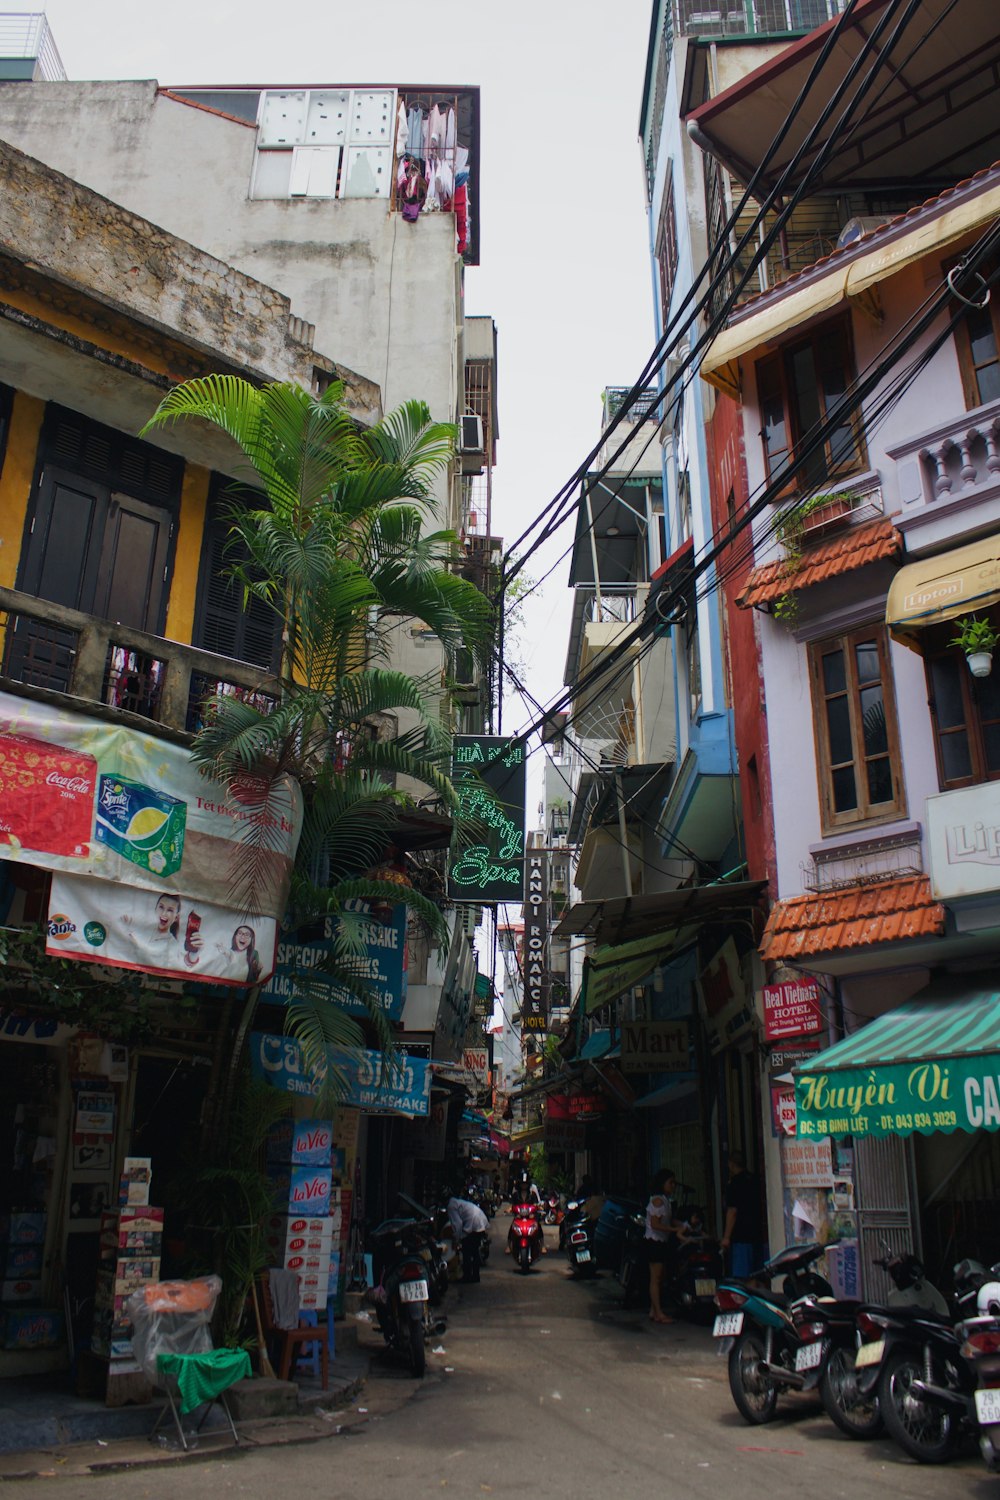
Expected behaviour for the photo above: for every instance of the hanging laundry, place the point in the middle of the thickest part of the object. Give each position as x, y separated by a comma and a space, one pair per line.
413, 191
451, 131
415, 139
402, 129
462, 218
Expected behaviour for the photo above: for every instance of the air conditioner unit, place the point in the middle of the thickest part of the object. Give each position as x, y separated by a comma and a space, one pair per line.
471, 435
471, 448
855, 228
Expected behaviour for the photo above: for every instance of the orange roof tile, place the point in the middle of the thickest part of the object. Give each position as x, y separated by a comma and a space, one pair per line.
852, 549
853, 918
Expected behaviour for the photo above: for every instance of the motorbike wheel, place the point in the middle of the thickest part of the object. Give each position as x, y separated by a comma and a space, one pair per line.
524, 1258
755, 1393
924, 1431
417, 1349
857, 1415
631, 1282
484, 1249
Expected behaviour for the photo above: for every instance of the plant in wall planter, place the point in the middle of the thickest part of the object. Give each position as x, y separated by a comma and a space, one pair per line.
978, 639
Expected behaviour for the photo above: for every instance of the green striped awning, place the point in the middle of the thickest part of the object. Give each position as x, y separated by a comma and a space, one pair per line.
931, 1064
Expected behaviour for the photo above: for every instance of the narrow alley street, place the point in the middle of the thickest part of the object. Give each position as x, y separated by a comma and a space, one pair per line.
546, 1387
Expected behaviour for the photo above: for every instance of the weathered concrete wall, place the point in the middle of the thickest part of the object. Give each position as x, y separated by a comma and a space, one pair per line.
384, 295
86, 242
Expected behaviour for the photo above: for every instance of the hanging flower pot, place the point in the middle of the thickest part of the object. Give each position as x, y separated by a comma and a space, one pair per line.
978, 639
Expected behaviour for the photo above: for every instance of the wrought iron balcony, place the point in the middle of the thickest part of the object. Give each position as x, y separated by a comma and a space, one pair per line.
114, 671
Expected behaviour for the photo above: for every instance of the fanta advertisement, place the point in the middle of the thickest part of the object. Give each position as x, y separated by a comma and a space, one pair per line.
97, 800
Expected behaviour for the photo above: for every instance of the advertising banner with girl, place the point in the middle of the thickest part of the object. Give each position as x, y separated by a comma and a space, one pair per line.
158, 932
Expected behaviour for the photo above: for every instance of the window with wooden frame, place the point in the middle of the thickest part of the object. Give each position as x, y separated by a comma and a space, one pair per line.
857, 739
977, 339
965, 713
666, 244
245, 630
797, 388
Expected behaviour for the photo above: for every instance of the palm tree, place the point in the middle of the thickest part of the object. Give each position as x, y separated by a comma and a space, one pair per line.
329, 532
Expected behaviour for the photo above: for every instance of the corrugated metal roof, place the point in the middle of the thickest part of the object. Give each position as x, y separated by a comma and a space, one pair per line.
854, 918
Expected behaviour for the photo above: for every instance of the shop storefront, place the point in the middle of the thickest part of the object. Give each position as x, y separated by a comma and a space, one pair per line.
908, 1110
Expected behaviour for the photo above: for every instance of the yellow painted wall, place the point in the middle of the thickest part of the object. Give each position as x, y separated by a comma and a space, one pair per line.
15, 481
187, 558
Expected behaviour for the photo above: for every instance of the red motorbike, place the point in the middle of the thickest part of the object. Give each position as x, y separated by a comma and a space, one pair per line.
525, 1239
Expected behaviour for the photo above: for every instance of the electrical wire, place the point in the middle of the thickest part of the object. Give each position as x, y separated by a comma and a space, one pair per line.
656, 361
808, 447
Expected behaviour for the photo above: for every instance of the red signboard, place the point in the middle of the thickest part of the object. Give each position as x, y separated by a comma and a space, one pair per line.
791, 1009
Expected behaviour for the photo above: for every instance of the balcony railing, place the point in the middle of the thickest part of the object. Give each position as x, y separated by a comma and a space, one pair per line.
952, 469
63, 652
704, 18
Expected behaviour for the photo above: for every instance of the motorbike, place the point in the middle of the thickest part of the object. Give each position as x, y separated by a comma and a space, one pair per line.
759, 1333
551, 1208
980, 1334
695, 1273
830, 1342
911, 1355
632, 1274
578, 1242
525, 1236
401, 1294
569, 1215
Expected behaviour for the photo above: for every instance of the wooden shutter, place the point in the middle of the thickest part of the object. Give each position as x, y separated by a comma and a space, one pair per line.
222, 624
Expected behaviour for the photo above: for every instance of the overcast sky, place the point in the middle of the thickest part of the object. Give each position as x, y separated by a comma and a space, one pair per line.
564, 271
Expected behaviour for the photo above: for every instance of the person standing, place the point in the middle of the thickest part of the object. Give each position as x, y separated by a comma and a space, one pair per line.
658, 1240
742, 1233
468, 1224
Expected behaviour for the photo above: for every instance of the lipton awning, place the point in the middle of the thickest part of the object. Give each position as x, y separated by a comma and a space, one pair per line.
941, 588
932, 1064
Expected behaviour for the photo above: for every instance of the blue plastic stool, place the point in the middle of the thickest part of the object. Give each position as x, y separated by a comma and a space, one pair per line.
310, 1361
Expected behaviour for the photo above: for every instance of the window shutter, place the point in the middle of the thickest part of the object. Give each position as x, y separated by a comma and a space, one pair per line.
222, 624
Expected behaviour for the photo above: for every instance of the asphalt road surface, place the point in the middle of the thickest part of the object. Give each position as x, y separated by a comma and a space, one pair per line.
547, 1389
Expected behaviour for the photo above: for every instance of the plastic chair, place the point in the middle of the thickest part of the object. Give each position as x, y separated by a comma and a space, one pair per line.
287, 1340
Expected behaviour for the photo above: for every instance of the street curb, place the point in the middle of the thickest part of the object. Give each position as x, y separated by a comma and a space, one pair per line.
76, 1459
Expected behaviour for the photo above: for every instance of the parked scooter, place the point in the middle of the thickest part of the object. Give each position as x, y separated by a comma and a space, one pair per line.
912, 1355
692, 1279
759, 1327
830, 1340
579, 1242
401, 1294
525, 1238
980, 1336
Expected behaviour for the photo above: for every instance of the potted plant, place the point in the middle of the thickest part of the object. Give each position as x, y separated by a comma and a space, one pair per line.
978, 639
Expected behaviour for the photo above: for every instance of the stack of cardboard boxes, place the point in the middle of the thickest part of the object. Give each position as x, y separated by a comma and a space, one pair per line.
304, 1233
130, 1245
26, 1324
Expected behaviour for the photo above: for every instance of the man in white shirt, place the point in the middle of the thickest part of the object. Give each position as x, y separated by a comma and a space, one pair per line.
468, 1224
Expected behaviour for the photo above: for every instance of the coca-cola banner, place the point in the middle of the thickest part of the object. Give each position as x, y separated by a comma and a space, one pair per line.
99, 800
157, 932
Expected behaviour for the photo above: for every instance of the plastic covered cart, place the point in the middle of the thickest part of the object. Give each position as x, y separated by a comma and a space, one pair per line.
173, 1345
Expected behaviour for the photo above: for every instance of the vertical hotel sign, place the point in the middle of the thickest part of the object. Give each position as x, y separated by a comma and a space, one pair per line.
488, 775
535, 1008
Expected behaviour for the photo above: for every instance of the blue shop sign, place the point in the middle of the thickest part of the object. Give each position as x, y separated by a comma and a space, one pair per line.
402, 1088
380, 967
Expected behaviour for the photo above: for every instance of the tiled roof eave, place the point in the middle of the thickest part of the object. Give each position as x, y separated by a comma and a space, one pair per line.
854, 548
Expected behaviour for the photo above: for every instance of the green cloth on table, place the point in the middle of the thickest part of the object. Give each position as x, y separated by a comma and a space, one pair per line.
202, 1377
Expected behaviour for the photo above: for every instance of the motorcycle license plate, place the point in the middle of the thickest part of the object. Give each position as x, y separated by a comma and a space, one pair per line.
582, 1255
413, 1291
808, 1356
869, 1354
727, 1325
988, 1407
704, 1288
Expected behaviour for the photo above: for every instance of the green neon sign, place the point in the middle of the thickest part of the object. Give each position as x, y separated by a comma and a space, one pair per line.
489, 775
